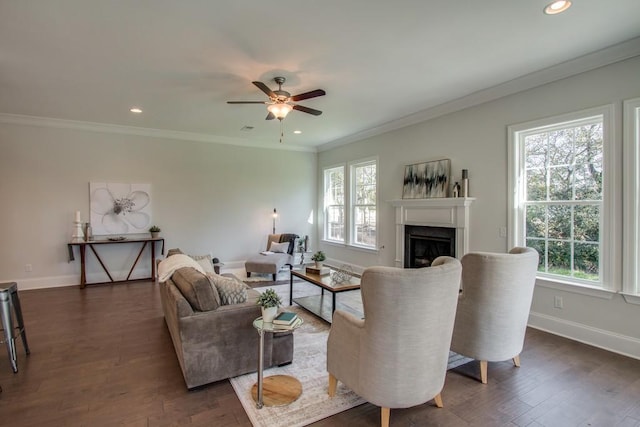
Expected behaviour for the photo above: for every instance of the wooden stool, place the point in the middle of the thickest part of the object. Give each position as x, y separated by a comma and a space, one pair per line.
10, 306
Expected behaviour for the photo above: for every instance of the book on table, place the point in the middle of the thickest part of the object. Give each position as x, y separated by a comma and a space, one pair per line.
286, 318
319, 271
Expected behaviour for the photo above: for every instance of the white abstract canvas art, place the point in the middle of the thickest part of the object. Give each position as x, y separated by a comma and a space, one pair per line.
120, 208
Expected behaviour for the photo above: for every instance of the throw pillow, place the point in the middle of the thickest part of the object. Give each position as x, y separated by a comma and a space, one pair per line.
279, 247
205, 262
231, 291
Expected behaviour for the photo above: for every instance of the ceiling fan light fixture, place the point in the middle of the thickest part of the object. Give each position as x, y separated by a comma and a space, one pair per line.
279, 109
557, 6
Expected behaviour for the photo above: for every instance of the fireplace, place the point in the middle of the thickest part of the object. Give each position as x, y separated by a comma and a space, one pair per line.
448, 222
423, 244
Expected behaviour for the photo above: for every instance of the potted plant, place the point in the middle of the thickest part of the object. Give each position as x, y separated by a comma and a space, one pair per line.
318, 257
154, 230
269, 301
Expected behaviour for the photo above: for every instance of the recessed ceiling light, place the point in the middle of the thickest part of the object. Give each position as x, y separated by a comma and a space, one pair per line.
557, 6
297, 132
136, 110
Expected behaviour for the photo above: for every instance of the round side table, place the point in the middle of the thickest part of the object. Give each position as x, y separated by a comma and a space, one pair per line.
276, 390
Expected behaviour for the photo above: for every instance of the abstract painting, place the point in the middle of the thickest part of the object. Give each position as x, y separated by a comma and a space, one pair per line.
426, 180
119, 208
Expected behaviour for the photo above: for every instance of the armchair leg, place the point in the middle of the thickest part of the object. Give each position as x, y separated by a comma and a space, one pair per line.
384, 416
438, 400
516, 361
333, 384
483, 371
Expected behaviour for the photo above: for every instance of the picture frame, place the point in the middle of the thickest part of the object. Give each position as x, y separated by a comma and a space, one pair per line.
427, 180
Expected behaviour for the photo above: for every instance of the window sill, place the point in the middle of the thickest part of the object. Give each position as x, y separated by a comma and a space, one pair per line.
347, 246
574, 288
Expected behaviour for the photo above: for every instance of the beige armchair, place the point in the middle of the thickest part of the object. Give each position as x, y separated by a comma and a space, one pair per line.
397, 356
494, 307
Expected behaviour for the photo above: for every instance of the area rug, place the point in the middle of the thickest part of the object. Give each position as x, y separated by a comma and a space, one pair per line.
310, 368
259, 279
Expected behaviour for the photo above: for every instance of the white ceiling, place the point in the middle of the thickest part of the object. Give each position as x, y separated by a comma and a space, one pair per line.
378, 61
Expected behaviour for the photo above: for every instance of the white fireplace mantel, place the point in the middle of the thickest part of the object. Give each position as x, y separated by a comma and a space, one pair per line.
440, 212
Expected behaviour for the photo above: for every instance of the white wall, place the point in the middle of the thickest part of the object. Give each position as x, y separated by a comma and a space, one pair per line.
207, 198
476, 139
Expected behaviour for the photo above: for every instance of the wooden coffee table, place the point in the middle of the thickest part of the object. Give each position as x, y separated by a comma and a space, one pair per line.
315, 303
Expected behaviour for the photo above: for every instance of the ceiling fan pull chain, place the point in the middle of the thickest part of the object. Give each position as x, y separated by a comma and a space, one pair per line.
281, 131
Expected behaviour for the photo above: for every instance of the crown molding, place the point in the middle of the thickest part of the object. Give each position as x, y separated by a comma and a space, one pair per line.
19, 119
588, 62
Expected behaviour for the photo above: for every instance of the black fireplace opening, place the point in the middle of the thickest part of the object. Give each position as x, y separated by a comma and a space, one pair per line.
423, 244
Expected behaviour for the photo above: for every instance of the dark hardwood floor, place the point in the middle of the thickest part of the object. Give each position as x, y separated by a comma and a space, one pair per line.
102, 356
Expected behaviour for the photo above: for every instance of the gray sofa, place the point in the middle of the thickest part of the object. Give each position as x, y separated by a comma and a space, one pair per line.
212, 341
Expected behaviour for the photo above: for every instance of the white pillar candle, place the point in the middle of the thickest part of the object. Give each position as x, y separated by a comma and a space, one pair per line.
78, 216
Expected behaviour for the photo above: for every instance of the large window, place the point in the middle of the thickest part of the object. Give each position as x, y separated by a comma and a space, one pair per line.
632, 198
364, 203
334, 214
354, 224
561, 201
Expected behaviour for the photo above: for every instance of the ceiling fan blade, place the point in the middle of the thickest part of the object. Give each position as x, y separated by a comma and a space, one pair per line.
246, 102
307, 95
263, 87
307, 110
270, 116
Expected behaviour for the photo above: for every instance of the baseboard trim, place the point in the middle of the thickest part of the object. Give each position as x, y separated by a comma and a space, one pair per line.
607, 340
47, 282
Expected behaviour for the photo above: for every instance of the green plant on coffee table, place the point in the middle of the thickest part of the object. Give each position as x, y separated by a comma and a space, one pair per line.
154, 229
269, 298
318, 256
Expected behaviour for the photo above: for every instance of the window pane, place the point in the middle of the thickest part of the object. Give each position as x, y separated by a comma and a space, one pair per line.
560, 183
588, 182
335, 222
536, 151
586, 221
536, 224
365, 225
588, 144
586, 261
559, 258
540, 246
559, 222
561, 147
536, 184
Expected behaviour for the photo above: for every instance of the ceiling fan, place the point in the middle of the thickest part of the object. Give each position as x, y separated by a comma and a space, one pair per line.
281, 102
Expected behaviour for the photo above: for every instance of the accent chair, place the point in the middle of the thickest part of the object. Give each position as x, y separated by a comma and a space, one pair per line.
271, 263
396, 357
493, 310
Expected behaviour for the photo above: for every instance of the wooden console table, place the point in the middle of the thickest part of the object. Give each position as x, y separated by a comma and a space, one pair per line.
82, 246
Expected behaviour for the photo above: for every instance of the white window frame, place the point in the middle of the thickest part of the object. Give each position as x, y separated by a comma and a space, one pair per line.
631, 222
349, 182
609, 228
325, 174
352, 201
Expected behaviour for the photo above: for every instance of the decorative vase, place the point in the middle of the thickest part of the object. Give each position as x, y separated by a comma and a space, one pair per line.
154, 234
269, 313
319, 265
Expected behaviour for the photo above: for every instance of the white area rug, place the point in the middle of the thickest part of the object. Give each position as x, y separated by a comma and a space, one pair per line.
310, 368
241, 274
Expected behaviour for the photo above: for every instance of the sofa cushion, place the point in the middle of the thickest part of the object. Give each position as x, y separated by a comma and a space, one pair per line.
196, 288
205, 262
231, 291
